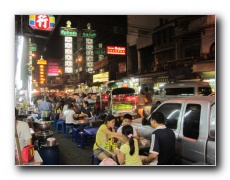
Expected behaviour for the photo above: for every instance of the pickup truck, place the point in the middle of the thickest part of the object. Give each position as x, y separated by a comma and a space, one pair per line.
193, 121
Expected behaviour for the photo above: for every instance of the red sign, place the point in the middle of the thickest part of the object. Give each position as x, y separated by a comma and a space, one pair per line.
42, 22
120, 50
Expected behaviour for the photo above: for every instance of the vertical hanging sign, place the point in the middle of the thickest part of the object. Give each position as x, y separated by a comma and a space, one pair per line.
69, 33
89, 35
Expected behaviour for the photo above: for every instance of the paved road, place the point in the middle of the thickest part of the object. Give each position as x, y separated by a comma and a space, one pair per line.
69, 153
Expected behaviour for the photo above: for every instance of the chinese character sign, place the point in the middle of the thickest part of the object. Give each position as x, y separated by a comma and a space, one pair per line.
68, 55
42, 22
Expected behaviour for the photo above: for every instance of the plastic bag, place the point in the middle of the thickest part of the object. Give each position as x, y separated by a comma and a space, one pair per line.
108, 162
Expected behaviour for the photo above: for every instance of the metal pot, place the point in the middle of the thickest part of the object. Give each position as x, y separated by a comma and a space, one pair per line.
51, 141
43, 135
42, 125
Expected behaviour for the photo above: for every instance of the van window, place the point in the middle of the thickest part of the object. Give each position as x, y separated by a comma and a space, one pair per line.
171, 112
191, 125
205, 90
189, 91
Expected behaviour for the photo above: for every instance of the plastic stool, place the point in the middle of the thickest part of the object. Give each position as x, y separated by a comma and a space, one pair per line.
75, 134
81, 140
67, 128
60, 126
90, 135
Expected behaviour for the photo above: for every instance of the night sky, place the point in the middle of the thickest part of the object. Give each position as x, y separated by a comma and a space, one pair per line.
54, 47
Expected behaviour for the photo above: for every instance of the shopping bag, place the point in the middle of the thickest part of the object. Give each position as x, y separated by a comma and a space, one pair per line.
27, 153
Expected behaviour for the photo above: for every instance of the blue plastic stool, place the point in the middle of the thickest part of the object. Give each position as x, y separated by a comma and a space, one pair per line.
67, 128
75, 134
90, 135
81, 139
60, 126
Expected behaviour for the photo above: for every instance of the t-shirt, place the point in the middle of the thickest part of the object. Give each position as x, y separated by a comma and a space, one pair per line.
163, 143
69, 116
87, 111
120, 130
101, 136
135, 158
24, 134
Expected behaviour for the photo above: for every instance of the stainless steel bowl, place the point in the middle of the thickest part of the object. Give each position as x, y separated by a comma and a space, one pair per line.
42, 125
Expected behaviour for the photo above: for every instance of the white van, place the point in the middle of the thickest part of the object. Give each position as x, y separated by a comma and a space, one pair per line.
182, 89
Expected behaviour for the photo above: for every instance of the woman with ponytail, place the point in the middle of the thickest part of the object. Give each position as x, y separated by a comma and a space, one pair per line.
128, 154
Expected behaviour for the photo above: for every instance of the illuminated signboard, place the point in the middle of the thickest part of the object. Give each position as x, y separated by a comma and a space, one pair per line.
65, 31
41, 61
117, 50
89, 34
102, 77
33, 47
69, 33
42, 22
52, 67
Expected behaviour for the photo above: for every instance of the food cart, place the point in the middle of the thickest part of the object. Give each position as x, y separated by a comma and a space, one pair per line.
121, 102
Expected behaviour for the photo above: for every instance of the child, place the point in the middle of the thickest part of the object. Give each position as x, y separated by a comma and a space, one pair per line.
127, 121
128, 154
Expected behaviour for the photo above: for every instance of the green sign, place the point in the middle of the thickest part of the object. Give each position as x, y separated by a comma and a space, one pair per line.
33, 47
100, 51
89, 35
68, 31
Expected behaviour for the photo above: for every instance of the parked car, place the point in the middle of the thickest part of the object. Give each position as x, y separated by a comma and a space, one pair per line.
193, 121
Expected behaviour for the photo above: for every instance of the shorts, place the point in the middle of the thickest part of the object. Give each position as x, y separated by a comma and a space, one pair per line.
97, 151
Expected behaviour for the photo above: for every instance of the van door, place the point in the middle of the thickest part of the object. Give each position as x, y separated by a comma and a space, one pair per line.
194, 133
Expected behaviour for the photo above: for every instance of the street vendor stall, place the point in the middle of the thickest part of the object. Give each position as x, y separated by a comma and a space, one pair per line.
122, 101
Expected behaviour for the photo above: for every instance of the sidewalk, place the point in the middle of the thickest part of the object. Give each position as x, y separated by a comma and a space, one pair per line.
69, 153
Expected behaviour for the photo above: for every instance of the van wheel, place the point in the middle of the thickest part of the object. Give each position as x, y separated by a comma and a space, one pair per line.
158, 103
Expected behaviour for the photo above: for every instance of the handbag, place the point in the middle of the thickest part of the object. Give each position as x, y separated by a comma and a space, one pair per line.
146, 100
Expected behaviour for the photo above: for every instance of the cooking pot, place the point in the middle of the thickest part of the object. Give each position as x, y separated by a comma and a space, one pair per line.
51, 141
43, 135
42, 125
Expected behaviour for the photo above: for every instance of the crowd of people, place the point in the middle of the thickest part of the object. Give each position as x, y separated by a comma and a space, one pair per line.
64, 106
162, 148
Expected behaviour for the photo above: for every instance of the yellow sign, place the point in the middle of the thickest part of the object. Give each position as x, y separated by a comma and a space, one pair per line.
42, 61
